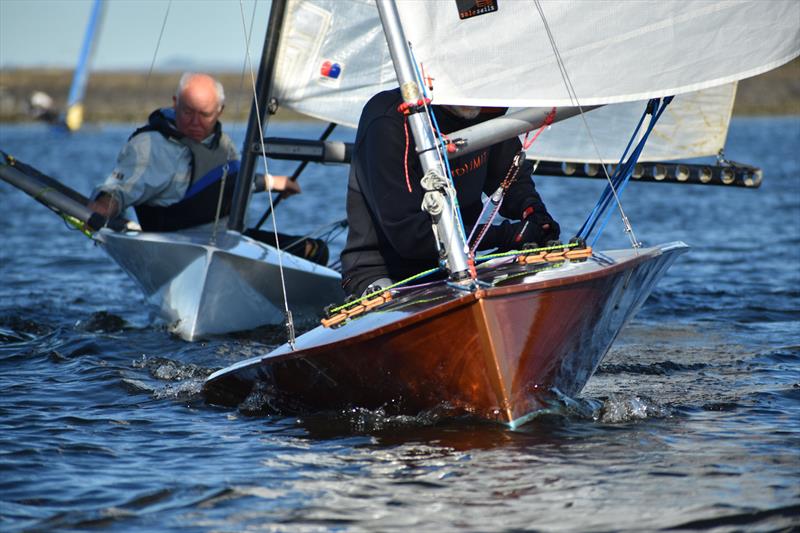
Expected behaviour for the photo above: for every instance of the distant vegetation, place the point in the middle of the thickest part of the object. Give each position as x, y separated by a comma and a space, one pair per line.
130, 96
115, 96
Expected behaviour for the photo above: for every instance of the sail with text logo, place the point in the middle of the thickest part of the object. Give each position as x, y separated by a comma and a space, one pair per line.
499, 336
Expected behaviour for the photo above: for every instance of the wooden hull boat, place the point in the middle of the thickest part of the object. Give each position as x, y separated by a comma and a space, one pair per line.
499, 353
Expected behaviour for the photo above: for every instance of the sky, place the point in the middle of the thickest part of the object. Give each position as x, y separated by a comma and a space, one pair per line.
206, 34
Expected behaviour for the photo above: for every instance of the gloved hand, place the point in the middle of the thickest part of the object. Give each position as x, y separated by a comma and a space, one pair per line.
536, 226
535, 230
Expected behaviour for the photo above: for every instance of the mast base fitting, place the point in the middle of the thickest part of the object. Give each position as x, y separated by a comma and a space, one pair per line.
457, 277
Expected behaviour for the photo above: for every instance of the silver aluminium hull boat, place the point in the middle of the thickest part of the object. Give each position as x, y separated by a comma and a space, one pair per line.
204, 287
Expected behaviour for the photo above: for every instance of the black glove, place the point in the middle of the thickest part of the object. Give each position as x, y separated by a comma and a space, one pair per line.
537, 227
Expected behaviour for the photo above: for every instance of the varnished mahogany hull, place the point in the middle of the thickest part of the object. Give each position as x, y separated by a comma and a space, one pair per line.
498, 353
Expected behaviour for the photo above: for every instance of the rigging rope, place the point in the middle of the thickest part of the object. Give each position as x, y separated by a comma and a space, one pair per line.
289, 320
372, 300
574, 98
497, 200
405, 154
443, 160
655, 107
548, 120
513, 172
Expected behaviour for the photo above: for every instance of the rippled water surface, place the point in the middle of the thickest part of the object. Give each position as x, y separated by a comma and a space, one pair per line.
691, 423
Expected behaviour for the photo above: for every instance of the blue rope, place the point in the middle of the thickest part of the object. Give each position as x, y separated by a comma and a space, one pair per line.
607, 191
623, 172
627, 172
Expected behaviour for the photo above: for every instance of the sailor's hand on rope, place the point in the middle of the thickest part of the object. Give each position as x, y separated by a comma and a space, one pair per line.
545, 227
536, 226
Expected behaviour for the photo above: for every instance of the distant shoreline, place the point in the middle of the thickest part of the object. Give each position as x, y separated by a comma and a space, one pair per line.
130, 96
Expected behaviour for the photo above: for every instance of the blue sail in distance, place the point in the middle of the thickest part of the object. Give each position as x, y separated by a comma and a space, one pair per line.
73, 116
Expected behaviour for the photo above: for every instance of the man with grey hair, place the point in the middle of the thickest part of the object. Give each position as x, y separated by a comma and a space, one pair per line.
173, 170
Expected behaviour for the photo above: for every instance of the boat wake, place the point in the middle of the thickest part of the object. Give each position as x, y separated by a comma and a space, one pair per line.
618, 408
184, 380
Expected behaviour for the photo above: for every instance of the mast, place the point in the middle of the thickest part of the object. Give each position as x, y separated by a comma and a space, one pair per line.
241, 193
438, 202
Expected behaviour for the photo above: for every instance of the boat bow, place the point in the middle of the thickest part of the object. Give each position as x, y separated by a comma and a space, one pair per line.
500, 353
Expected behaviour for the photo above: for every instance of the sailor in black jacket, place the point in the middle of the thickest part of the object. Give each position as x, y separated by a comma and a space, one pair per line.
389, 236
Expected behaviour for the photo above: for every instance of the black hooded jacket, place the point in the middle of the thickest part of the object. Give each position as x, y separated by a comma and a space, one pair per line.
389, 235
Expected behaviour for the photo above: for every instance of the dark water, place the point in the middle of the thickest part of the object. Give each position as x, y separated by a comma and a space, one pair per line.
692, 422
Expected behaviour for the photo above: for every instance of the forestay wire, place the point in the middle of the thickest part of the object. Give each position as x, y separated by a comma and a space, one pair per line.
574, 98
155, 52
289, 321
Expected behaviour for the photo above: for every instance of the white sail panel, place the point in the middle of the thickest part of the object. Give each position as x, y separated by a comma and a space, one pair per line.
693, 125
348, 35
612, 51
332, 58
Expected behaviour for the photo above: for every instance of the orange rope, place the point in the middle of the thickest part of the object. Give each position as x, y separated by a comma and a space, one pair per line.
405, 157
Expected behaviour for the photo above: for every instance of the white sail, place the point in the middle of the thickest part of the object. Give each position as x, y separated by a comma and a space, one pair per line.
333, 57
612, 51
693, 125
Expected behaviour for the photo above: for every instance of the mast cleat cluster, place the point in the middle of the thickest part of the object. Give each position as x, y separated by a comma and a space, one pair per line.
409, 108
555, 252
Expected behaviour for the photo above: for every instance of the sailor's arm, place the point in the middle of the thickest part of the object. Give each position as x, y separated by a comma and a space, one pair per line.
264, 182
383, 184
140, 176
282, 184
522, 202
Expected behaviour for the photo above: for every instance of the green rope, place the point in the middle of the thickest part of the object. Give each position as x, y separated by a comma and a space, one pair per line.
390, 287
77, 224
526, 251
41, 193
335, 310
